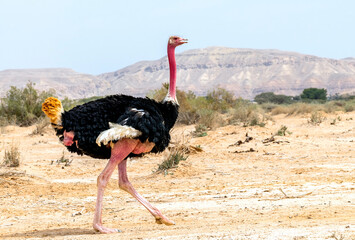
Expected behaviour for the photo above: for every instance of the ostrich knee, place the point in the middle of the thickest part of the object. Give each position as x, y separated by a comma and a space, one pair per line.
102, 180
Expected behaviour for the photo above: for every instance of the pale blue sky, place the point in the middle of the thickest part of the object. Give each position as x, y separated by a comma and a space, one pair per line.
97, 36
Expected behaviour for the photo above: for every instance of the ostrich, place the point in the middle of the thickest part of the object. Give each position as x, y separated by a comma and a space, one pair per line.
117, 127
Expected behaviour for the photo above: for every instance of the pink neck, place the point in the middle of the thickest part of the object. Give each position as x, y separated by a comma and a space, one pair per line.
172, 66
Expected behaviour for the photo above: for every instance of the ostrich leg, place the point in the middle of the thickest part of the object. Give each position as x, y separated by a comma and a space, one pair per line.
127, 186
119, 152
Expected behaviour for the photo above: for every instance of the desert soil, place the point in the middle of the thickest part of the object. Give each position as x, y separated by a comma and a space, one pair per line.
298, 186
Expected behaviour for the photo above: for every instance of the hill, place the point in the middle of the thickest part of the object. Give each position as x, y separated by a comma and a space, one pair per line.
245, 72
65, 81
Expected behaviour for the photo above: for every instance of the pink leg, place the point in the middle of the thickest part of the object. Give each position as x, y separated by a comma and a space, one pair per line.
127, 186
119, 152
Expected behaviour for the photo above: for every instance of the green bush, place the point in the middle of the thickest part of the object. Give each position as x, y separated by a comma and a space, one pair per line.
270, 97
314, 94
220, 100
23, 106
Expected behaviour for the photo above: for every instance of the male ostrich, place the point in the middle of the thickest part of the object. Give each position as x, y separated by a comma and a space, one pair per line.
117, 127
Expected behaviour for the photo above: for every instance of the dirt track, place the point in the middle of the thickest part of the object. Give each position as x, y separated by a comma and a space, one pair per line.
300, 186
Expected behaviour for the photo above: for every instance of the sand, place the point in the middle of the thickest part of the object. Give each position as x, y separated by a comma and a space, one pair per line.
298, 186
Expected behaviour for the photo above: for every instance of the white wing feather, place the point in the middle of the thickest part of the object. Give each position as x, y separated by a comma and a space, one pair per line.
117, 132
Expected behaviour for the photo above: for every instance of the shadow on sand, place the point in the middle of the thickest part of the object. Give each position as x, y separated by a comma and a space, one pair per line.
50, 233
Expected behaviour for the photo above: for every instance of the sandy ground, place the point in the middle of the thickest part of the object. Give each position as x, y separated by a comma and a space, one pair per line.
300, 186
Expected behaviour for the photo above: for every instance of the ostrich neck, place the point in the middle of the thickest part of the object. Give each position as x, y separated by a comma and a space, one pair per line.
172, 66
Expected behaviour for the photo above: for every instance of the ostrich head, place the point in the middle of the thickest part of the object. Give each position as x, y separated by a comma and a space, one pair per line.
173, 42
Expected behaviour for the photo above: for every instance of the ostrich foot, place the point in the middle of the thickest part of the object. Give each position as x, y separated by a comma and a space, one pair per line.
162, 219
102, 229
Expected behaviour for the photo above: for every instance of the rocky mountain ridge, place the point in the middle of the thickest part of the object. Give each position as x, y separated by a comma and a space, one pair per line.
245, 72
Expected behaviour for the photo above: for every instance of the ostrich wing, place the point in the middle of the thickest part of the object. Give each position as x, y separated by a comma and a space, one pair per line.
135, 123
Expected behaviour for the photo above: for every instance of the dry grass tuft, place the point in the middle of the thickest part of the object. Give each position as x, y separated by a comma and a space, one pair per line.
306, 108
282, 131
172, 161
349, 106
200, 131
296, 109
40, 127
210, 119
316, 118
64, 160
247, 114
179, 151
2, 129
337, 236
12, 156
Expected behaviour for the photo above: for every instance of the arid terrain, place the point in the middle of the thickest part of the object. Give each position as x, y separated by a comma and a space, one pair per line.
298, 186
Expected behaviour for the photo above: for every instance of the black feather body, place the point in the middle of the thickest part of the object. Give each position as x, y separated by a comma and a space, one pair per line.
154, 119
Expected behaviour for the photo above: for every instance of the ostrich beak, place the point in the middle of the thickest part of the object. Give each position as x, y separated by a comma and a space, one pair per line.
184, 40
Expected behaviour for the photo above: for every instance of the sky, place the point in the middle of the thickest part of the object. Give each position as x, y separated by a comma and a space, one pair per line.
98, 36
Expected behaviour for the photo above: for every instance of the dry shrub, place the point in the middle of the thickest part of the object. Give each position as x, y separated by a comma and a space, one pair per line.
329, 107
302, 108
179, 150
340, 105
333, 106
296, 109
211, 119
281, 109
349, 106
175, 156
200, 131
2, 130
269, 107
282, 131
172, 161
188, 118
40, 127
316, 118
247, 114
12, 156
214, 109
220, 100
305, 108
4, 121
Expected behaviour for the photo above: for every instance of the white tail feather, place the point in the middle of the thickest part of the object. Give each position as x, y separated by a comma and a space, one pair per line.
115, 133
